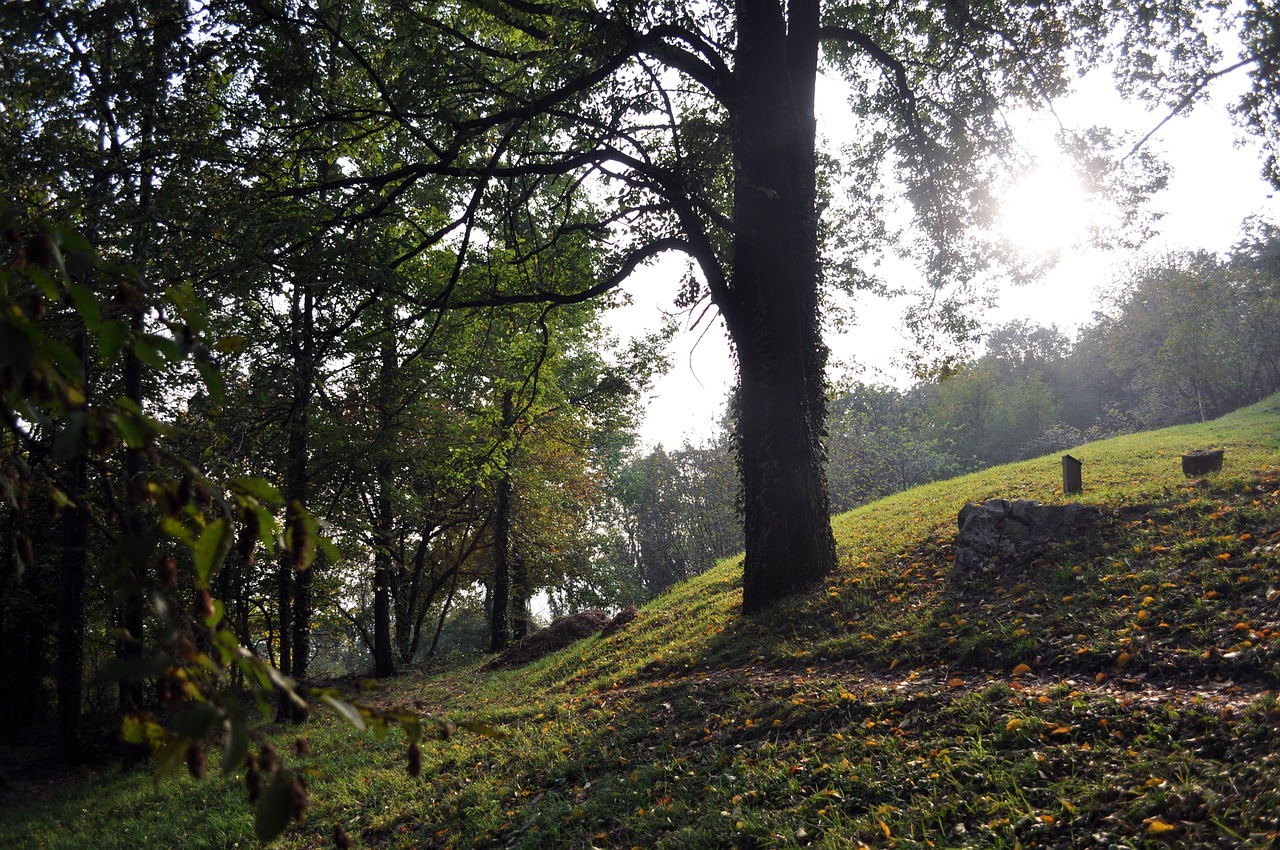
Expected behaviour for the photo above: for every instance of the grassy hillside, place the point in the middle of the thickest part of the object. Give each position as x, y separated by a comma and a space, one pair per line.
1119, 694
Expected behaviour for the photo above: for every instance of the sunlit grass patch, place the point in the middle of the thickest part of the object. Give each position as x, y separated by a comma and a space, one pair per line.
1120, 693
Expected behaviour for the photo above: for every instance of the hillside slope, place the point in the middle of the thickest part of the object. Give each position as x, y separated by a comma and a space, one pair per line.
1118, 692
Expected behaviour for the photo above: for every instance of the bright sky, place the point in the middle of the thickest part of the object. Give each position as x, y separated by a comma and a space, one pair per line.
1215, 184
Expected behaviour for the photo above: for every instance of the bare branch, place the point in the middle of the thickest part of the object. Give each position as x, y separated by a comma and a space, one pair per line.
1187, 100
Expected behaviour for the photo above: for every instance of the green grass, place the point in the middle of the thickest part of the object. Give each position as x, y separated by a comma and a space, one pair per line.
1119, 694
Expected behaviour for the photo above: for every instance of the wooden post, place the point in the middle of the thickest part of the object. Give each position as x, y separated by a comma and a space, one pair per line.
1071, 478
1201, 462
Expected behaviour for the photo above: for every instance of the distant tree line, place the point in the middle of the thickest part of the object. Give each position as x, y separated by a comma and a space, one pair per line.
1185, 337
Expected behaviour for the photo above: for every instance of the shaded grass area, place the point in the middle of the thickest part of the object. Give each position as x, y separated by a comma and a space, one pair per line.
1117, 692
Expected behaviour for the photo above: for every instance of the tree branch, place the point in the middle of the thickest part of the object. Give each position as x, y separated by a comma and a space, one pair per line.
1187, 100
629, 265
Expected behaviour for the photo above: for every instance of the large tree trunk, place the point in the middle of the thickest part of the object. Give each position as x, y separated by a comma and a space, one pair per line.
772, 314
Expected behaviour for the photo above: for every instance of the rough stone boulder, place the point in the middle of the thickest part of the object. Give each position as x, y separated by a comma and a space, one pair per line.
560, 634
1006, 536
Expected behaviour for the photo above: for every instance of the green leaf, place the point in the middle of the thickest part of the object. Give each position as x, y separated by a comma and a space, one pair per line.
69, 443
173, 527
44, 282
329, 550
169, 759
483, 729
183, 296
128, 405
141, 729
212, 377
412, 726
235, 750
346, 709
156, 351
268, 528
134, 436
62, 357
219, 611
258, 488
275, 807
197, 721
208, 551
284, 683
86, 304
137, 668
231, 344
112, 336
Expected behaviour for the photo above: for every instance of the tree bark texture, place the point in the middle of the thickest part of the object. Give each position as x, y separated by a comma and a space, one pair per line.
772, 307
499, 618
383, 568
295, 583
519, 596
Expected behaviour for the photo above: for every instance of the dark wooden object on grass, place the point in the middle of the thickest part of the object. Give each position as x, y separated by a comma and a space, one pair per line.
1201, 462
1072, 481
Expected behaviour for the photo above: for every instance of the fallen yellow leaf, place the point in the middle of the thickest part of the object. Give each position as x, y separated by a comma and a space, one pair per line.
1159, 827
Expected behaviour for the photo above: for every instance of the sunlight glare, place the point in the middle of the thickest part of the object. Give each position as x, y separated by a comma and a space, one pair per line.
1045, 212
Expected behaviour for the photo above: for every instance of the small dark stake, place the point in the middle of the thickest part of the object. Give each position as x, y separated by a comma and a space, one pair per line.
1072, 482
1201, 462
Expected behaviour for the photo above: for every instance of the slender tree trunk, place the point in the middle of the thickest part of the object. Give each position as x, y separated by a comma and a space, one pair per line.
444, 612
294, 581
69, 663
773, 310
284, 629
132, 694
383, 652
71, 619
519, 597
499, 617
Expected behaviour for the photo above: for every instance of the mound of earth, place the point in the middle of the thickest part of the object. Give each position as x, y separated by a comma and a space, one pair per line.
558, 635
